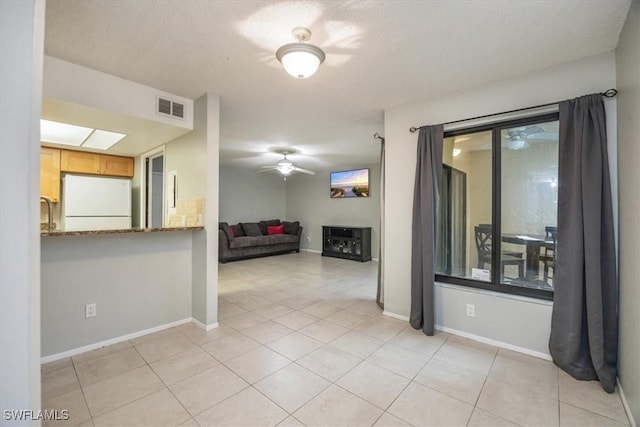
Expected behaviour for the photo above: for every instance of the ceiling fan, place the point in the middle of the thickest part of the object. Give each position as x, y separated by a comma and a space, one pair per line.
285, 166
518, 138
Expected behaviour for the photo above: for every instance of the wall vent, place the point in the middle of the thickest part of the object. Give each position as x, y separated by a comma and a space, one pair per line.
170, 108
177, 110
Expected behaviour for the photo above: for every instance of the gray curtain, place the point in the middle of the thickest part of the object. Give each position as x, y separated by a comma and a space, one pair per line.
380, 293
423, 236
584, 324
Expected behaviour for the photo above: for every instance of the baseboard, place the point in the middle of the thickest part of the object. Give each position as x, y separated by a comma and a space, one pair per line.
625, 404
495, 343
395, 316
311, 250
204, 327
83, 349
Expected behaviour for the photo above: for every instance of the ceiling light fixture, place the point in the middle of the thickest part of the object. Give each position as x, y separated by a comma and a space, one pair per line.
77, 136
517, 143
300, 59
63, 133
456, 152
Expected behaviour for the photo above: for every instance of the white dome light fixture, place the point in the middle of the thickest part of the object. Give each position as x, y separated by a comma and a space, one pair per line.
517, 143
285, 167
300, 59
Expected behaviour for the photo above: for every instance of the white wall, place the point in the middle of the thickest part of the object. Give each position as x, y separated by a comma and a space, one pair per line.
212, 197
70, 82
308, 201
21, 53
138, 281
568, 80
248, 197
188, 156
628, 74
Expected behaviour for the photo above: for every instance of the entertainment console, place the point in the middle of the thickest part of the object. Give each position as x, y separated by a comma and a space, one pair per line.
347, 242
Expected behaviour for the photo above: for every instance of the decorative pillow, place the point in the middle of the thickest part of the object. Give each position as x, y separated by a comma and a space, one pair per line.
227, 230
264, 224
237, 230
251, 229
291, 227
233, 231
275, 229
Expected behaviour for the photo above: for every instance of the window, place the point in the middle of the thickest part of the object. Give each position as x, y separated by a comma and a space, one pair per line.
500, 180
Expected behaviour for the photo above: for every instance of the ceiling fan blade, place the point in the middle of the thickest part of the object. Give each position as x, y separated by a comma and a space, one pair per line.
267, 169
532, 130
308, 172
546, 136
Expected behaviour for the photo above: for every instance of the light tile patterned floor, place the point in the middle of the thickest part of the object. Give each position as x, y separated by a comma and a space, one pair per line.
302, 342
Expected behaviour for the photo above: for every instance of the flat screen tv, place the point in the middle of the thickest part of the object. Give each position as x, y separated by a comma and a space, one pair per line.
351, 183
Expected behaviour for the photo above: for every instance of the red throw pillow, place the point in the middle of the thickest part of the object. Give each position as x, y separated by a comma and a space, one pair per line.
233, 232
275, 229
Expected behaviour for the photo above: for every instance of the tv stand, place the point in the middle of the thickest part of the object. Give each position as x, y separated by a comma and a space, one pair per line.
347, 242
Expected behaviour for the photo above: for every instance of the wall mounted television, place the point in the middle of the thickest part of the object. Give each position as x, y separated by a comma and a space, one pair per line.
350, 183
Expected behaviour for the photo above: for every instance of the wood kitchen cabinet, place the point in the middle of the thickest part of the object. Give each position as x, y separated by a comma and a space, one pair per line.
50, 173
95, 164
116, 165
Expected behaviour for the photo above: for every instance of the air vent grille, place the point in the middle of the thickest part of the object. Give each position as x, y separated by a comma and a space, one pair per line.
177, 110
170, 108
164, 106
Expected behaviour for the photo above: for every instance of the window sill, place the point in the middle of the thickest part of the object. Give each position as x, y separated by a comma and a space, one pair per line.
513, 297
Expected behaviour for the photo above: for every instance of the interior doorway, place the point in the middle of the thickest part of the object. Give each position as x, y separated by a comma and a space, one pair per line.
154, 190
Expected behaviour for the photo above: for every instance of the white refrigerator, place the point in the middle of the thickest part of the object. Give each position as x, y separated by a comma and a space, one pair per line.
95, 203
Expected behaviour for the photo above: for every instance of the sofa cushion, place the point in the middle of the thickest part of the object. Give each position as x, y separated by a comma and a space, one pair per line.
251, 229
241, 242
275, 229
247, 241
237, 230
227, 230
274, 239
291, 227
264, 224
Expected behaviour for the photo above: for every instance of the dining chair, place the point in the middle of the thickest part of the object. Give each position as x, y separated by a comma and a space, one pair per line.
484, 239
549, 257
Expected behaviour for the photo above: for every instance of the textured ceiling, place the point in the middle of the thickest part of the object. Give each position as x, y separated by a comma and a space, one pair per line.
379, 54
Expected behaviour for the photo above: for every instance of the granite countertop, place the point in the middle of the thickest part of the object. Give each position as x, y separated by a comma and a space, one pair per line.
123, 231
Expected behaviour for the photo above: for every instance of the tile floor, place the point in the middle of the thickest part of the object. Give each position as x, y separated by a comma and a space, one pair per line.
302, 342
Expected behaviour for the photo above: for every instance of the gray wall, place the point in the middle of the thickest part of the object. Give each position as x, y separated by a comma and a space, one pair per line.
21, 46
559, 82
247, 196
628, 82
138, 281
489, 323
308, 201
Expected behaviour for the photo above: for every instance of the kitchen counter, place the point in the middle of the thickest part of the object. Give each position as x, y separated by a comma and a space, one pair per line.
123, 231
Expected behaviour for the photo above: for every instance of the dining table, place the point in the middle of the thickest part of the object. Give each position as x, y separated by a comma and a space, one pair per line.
533, 245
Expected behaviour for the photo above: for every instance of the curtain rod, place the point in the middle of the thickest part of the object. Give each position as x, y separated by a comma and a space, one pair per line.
610, 93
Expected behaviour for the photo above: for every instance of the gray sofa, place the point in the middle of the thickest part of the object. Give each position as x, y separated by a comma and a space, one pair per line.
253, 239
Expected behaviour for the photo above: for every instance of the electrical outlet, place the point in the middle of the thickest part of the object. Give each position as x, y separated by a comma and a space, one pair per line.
471, 310
308, 238
90, 310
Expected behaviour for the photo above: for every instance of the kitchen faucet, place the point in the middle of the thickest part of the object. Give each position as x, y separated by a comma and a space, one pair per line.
49, 212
